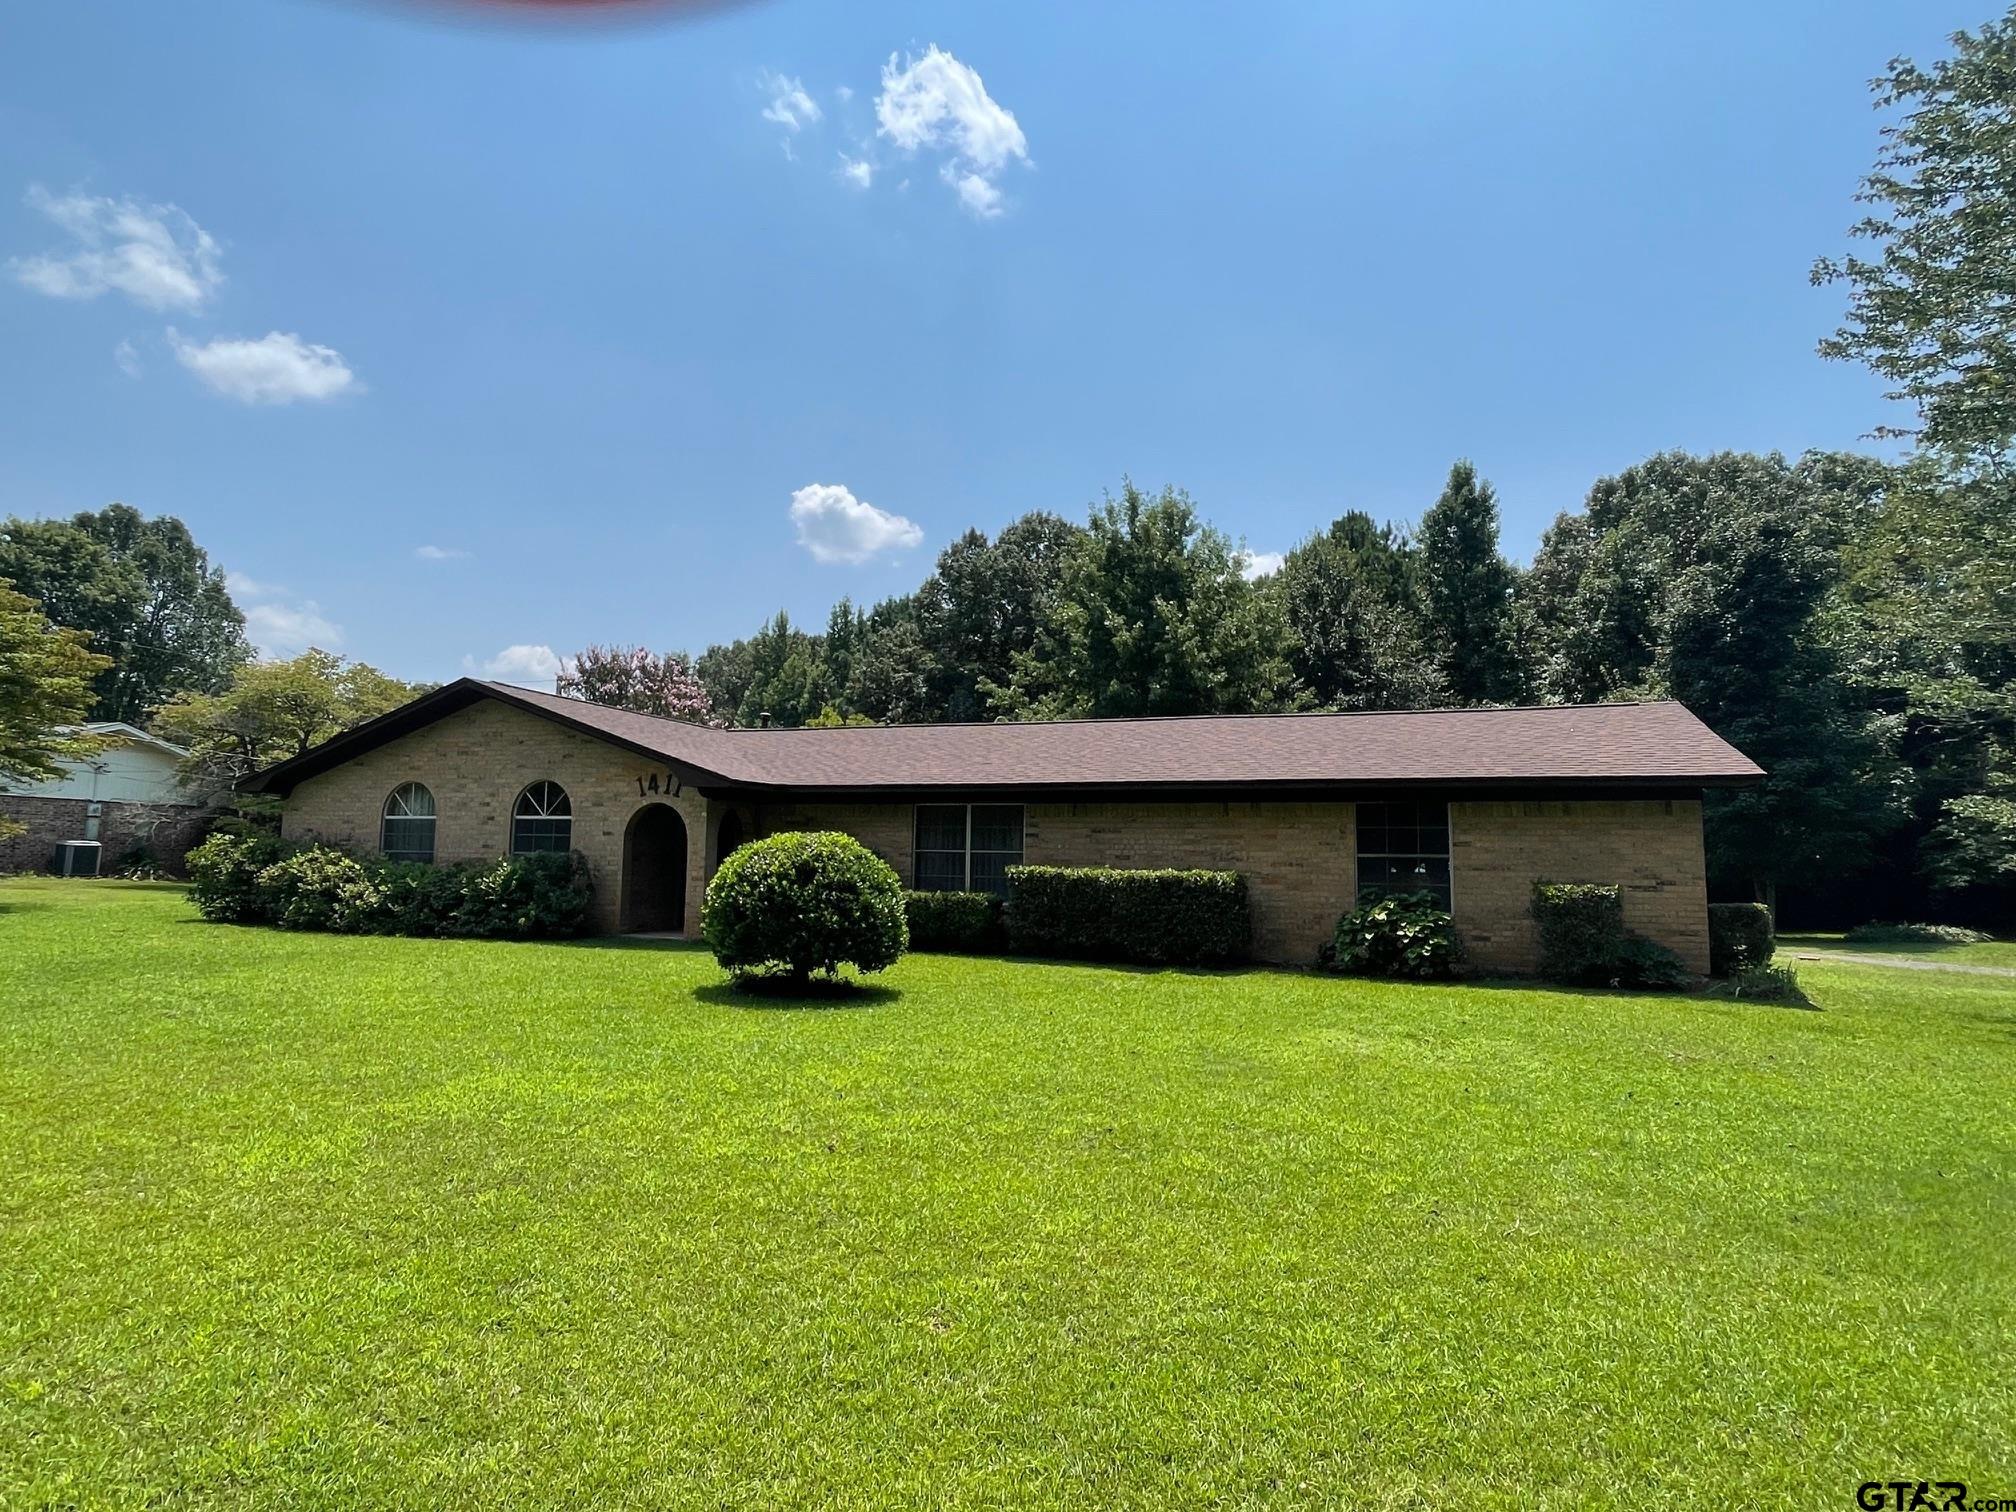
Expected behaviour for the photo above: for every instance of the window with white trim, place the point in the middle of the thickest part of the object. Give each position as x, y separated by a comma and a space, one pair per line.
406, 828
542, 820
967, 847
1403, 848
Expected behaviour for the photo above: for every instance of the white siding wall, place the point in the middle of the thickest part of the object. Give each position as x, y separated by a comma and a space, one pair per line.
128, 772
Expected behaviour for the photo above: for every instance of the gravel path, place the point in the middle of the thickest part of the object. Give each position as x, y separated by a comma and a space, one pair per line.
1908, 965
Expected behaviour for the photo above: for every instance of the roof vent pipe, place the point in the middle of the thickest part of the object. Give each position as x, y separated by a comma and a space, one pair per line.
763, 720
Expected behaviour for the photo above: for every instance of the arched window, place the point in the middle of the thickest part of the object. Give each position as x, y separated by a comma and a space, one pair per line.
543, 820
407, 830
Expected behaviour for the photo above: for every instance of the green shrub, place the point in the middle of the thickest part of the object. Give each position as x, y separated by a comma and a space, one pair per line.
543, 896
1398, 935
803, 903
224, 874
1581, 929
318, 888
1765, 983
1915, 934
1156, 918
1583, 941
1739, 935
956, 921
261, 879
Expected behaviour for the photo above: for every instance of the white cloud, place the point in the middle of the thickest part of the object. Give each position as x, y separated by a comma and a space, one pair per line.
790, 106
843, 93
975, 192
289, 629
439, 553
837, 527
153, 254
526, 666
858, 172
1259, 564
939, 103
128, 357
278, 368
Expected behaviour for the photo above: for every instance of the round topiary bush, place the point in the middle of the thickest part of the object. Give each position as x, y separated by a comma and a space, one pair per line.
799, 903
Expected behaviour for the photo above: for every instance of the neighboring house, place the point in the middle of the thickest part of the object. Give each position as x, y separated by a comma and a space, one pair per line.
1472, 805
127, 797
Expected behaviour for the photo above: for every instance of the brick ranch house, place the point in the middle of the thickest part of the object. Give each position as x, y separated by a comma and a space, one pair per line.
1473, 805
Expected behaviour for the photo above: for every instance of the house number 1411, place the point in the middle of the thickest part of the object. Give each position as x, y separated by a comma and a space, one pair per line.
646, 786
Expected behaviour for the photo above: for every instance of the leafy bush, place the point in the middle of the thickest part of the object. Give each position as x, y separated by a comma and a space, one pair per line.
318, 888
543, 896
1765, 983
224, 874
958, 921
262, 879
1398, 935
1739, 935
1156, 918
1583, 941
805, 902
1915, 934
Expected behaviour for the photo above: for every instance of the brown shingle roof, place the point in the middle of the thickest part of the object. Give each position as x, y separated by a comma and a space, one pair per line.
1565, 745
1601, 742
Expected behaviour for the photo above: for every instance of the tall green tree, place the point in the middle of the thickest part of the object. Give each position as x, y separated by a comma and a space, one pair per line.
1355, 638
46, 675
1930, 308
275, 710
1701, 579
1153, 614
891, 675
779, 672
1466, 591
981, 607
145, 593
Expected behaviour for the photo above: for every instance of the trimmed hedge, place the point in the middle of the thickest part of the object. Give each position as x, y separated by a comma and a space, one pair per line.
966, 922
1583, 941
1397, 935
1150, 918
805, 902
260, 879
1739, 935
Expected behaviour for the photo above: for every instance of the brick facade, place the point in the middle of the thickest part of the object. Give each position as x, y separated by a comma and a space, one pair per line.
476, 762
1650, 847
163, 831
1299, 858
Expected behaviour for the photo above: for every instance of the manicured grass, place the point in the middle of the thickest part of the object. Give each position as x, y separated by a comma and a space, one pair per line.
1989, 953
312, 1221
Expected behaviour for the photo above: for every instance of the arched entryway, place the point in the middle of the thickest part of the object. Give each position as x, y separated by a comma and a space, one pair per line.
729, 838
654, 870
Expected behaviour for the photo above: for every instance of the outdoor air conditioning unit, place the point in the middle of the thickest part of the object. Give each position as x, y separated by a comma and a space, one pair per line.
77, 858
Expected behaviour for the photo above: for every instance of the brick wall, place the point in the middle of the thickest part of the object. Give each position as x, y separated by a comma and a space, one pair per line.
885, 828
1651, 848
164, 831
476, 762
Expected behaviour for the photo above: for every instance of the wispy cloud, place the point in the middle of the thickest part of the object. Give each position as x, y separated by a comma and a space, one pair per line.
936, 103
277, 368
857, 172
789, 105
278, 625
128, 357
156, 255
439, 553
836, 527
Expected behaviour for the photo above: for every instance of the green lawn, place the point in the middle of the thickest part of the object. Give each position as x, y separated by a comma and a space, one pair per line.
1988, 953
313, 1221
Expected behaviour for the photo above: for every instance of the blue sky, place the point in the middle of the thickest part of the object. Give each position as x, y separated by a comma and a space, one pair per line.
448, 337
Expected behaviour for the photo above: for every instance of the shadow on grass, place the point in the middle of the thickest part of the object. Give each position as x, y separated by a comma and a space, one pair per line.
771, 994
